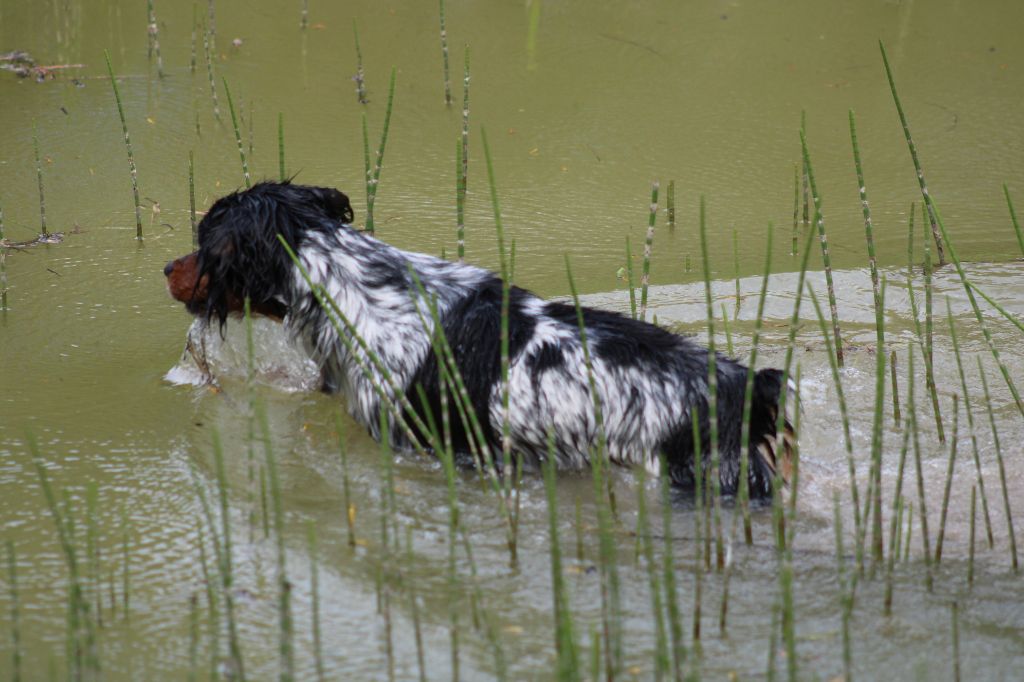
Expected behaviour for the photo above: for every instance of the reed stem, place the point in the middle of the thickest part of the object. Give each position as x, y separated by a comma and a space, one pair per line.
12, 584
670, 203
1002, 468
748, 397
1013, 218
712, 379
949, 479
444, 53
819, 221
970, 423
922, 508
39, 177
282, 173
207, 49
933, 218
238, 135
374, 181
192, 200
128, 145
360, 77
645, 277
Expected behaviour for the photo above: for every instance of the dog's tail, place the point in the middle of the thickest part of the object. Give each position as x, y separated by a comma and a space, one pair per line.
771, 447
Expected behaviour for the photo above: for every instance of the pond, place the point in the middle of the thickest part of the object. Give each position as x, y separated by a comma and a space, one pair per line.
585, 106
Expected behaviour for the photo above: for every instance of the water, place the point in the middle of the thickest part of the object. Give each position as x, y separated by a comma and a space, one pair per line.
582, 113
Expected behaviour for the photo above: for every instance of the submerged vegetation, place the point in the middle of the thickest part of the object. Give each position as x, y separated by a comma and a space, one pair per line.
681, 557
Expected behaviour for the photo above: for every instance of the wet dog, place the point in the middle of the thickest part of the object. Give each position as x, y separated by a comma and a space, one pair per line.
652, 385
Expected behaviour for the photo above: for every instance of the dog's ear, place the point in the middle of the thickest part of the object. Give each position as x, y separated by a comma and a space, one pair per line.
335, 204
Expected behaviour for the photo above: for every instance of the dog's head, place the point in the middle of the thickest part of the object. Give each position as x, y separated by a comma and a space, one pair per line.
239, 253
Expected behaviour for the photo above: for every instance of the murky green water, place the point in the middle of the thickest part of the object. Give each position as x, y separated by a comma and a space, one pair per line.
584, 105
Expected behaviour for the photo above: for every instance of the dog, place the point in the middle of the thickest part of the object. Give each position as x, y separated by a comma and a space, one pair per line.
652, 385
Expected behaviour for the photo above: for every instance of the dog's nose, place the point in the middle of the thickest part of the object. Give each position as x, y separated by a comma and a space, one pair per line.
169, 268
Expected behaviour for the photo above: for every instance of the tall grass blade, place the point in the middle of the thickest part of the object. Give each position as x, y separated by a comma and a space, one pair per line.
913, 155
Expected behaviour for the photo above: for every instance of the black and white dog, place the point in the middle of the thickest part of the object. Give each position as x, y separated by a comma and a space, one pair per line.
652, 385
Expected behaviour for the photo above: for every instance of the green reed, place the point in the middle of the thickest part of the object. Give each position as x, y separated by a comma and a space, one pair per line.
39, 177
630, 280
873, 497
462, 171
251, 135
933, 218
949, 479
3, 266
153, 30
346, 494
226, 560
922, 508
670, 206
414, 606
304, 15
910, 529
727, 331
748, 398
150, 29
978, 315
970, 553
314, 590
92, 549
80, 633
794, 321
213, 625
1013, 218
193, 638
238, 134
675, 624
126, 581
712, 379
444, 54
895, 522
281, 172
207, 48
384, 561
212, 15
847, 586
895, 539
364, 358
773, 640
1010, 317
611, 604
845, 418
645, 277
736, 271
999, 460
506, 284
955, 617
661, 654
12, 586
565, 639
192, 60
192, 199
700, 562
796, 209
360, 77
894, 377
133, 172
452, 375
373, 180
970, 422
285, 642
819, 221
928, 346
